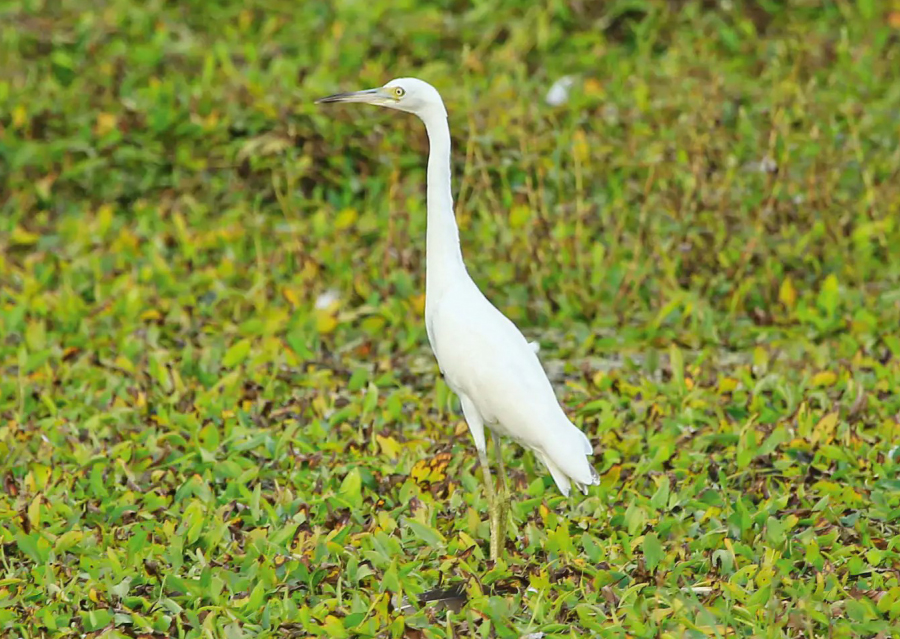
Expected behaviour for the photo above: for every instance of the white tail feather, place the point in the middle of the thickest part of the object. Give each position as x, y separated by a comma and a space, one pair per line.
565, 456
562, 482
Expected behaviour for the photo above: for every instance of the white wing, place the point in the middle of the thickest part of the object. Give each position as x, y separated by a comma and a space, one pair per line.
485, 358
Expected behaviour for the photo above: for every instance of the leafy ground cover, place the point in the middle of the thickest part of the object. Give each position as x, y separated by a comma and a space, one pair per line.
218, 413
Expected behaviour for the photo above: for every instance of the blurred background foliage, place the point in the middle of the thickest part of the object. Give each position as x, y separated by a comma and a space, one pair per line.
217, 406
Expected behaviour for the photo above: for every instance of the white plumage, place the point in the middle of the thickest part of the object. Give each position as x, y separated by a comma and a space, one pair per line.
486, 360
483, 356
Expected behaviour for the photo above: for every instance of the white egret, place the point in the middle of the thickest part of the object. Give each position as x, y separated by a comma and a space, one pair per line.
482, 355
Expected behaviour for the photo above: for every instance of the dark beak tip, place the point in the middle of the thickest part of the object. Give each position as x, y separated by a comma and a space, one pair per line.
353, 96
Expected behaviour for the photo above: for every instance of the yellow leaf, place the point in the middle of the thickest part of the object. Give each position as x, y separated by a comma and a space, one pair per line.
431, 470
105, 215
21, 237
519, 215
20, 116
150, 316
473, 520
211, 121
461, 427
68, 540
290, 296
760, 357
37, 477
764, 576
345, 219
825, 378
124, 363
245, 19
373, 325
593, 87
34, 512
326, 321
419, 471
92, 595
36, 335
540, 581
310, 270
611, 478
467, 541
389, 446
106, 122
727, 384
362, 286
823, 432
387, 523
333, 626
418, 303
786, 294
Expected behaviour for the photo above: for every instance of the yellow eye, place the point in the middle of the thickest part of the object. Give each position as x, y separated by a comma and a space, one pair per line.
398, 92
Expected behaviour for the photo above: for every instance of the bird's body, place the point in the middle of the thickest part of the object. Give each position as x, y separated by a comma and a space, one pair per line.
501, 384
483, 356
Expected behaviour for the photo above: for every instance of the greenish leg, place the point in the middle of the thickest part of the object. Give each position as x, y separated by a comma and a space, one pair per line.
492, 504
503, 498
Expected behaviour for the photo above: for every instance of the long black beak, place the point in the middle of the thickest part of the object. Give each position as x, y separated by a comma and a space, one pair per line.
353, 96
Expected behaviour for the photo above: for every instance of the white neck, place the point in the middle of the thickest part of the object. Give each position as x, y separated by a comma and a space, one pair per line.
443, 257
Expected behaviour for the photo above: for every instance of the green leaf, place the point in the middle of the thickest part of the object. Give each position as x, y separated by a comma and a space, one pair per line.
653, 551
427, 534
218, 406
257, 597
351, 488
661, 496
333, 627
236, 354
676, 362
96, 619
391, 580
829, 295
34, 546
866, 8
747, 448
635, 518
354, 619
775, 531
371, 399
773, 441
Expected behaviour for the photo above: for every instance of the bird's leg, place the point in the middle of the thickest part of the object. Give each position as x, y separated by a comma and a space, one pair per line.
476, 425
492, 504
503, 497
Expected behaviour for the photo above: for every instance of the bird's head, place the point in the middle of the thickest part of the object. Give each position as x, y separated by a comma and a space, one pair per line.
404, 94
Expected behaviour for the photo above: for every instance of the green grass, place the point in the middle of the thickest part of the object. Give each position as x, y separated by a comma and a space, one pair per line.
191, 448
